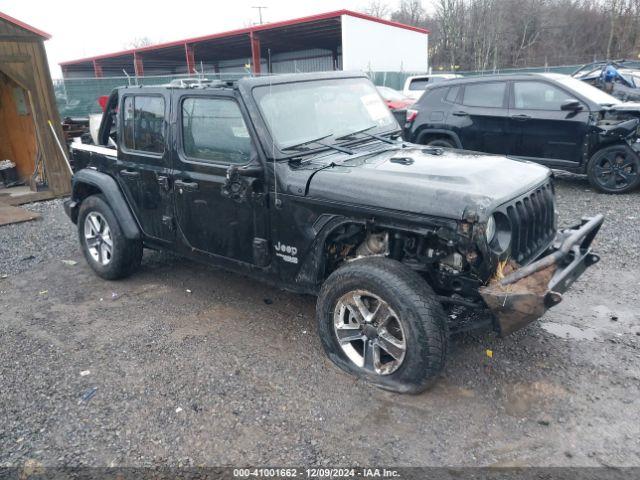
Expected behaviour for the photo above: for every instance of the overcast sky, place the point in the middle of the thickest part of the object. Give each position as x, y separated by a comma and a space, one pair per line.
90, 27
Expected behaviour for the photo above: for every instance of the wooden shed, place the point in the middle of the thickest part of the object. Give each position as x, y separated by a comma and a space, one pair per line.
27, 105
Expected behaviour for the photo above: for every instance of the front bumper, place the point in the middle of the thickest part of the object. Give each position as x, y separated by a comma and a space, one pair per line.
526, 293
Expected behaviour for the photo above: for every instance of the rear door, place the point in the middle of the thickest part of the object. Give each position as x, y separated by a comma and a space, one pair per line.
213, 134
143, 167
543, 132
479, 117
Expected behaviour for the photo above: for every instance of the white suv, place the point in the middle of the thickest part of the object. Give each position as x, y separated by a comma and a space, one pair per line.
414, 86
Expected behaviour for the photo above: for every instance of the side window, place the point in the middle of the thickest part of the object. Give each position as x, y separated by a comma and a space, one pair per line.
538, 96
418, 84
213, 129
143, 123
452, 94
484, 94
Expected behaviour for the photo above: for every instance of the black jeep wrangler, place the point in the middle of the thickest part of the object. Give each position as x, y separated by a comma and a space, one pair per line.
302, 181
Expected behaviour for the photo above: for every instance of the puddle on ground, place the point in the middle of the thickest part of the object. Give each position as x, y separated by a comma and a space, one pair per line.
564, 330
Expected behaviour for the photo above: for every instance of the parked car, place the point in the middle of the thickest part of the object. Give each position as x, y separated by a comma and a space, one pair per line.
620, 78
551, 119
301, 181
396, 101
414, 86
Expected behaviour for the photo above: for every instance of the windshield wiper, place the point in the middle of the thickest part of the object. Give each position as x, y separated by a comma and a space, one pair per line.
302, 144
349, 135
370, 135
319, 142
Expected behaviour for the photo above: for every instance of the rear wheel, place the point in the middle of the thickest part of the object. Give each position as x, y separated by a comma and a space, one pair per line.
381, 321
614, 169
109, 253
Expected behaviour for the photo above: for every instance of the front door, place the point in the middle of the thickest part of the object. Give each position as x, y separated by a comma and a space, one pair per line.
480, 117
213, 216
143, 167
543, 132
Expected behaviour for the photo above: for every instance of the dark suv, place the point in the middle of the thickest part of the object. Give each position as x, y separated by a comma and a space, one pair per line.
301, 181
551, 119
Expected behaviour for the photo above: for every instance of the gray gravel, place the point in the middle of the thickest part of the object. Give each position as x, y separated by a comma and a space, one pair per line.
24, 245
192, 366
619, 238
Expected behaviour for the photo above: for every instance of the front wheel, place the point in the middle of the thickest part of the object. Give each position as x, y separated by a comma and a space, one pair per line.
381, 321
440, 142
614, 169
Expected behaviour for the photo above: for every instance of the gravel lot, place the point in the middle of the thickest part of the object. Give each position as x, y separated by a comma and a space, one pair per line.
194, 366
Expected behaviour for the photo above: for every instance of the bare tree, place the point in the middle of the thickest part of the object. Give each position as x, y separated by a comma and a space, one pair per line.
139, 42
378, 8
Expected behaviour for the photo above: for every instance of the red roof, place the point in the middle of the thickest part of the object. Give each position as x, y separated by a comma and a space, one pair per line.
20, 24
255, 28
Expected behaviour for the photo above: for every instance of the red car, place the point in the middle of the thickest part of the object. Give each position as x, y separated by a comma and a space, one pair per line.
394, 99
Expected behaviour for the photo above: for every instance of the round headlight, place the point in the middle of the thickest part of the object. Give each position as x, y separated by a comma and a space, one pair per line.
491, 228
499, 232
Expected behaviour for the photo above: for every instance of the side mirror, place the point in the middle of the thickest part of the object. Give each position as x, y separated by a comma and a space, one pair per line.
571, 105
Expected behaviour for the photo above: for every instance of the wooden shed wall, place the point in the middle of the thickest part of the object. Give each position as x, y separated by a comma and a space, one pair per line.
24, 59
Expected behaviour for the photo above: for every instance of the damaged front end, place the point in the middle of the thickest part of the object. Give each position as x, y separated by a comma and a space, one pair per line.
519, 295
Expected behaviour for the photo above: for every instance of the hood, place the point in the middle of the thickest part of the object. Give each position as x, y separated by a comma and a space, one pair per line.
413, 181
625, 107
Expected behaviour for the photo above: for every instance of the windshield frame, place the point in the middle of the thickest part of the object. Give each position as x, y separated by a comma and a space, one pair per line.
280, 152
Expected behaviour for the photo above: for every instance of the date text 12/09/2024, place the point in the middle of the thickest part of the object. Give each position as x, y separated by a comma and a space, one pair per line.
315, 473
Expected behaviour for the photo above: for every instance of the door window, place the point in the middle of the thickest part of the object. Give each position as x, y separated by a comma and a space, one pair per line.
143, 123
213, 130
538, 96
484, 94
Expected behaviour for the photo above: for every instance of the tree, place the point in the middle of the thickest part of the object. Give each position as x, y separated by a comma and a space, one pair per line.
139, 42
378, 8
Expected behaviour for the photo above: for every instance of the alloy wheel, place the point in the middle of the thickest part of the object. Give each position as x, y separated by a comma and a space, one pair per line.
97, 235
369, 332
616, 170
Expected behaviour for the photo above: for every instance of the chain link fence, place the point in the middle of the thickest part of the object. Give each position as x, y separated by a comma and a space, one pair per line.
78, 97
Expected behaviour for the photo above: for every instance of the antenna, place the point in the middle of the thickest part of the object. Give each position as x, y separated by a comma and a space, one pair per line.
260, 8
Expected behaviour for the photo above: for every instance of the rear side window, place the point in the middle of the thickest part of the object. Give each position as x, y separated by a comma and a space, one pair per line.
452, 94
484, 94
418, 84
143, 123
213, 130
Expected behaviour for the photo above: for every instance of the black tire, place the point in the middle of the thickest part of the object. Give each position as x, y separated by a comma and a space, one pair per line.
614, 169
126, 254
419, 312
440, 142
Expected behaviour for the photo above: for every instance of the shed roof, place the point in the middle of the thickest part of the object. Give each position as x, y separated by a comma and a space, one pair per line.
24, 26
247, 30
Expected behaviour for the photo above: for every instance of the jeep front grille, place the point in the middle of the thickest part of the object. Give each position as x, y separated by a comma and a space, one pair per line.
533, 222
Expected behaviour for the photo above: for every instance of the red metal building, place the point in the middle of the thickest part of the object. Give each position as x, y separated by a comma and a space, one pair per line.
328, 41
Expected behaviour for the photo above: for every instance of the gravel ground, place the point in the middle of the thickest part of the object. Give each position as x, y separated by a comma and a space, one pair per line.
194, 366
24, 245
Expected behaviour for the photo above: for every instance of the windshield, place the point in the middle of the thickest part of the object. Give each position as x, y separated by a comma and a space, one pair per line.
300, 112
588, 91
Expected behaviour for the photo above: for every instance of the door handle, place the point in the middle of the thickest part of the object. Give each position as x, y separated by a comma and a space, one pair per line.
460, 113
521, 117
126, 172
186, 186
